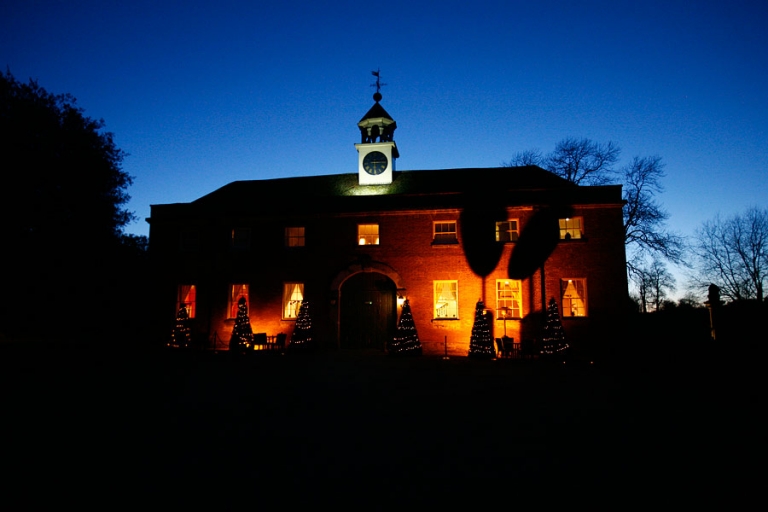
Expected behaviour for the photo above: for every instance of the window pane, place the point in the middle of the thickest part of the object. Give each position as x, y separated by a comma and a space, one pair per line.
446, 299
570, 228
187, 295
574, 297
508, 295
507, 231
368, 234
293, 295
294, 237
445, 233
241, 238
236, 291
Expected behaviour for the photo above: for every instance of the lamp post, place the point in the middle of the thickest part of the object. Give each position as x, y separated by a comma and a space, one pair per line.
504, 312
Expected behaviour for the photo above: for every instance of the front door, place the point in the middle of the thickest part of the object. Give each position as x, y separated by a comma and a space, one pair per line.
368, 311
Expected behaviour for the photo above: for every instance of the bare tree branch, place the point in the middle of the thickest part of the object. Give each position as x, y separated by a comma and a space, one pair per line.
733, 253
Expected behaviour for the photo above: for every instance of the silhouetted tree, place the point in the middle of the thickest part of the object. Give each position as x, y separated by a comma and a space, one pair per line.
733, 253
481, 341
61, 212
406, 339
653, 281
645, 232
580, 161
242, 334
585, 162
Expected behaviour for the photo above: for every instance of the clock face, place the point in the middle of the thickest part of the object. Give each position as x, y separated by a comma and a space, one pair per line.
375, 163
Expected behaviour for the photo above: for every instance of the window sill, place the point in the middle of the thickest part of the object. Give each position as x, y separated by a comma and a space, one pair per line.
444, 319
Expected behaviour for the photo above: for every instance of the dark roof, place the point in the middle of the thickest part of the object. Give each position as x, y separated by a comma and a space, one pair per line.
376, 111
410, 190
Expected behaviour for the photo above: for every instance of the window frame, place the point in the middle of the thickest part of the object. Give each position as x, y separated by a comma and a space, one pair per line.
289, 302
292, 235
448, 237
513, 234
437, 295
516, 295
571, 228
567, 302
241, 242
183, 294
237, 290
362, 233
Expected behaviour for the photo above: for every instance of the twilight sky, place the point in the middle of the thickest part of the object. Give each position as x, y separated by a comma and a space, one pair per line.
202, 93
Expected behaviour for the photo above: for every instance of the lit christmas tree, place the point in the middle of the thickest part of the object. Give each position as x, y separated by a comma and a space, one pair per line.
406, 340
553, 342
181, 336
242, 334
481, 342
301, 339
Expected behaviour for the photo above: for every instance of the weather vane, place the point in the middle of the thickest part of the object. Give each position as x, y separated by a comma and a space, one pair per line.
378, 85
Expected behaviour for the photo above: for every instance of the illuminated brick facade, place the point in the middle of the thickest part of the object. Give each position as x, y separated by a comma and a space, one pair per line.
513, 237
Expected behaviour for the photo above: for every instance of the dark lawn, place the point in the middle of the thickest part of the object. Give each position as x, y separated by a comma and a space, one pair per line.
422, 427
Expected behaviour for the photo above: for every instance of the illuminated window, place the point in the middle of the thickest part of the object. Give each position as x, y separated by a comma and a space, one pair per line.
294, 237
446, 299
444, 233
187, 295
507, 231
574, 297
235, 292
241, 239
508, 296
190, 240
368, 234
571, 228
293, 295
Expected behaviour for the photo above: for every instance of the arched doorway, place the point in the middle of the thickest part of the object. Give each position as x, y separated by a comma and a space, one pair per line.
368, 311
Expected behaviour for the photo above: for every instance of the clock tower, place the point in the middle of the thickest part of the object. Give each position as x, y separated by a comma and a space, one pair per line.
377, 150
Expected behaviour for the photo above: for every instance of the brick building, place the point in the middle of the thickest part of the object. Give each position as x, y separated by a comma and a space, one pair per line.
356, 245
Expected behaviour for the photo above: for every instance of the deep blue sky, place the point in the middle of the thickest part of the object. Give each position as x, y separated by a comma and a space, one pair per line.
202, 93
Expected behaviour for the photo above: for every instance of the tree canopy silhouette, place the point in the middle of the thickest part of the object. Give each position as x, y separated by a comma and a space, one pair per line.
61, 208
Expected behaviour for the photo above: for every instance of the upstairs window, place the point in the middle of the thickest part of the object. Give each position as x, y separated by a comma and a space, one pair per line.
444, 232
293, 296
294, 237
189, 240
446, 294
574, 293
571, 228
507, 231
235, 292
368, 234
187, 296
241, 239
508, 296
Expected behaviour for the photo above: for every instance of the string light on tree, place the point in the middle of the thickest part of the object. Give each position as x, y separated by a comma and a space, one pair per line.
406, 339
301, 339
553, 342
242, 334
181, 336
481, 342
